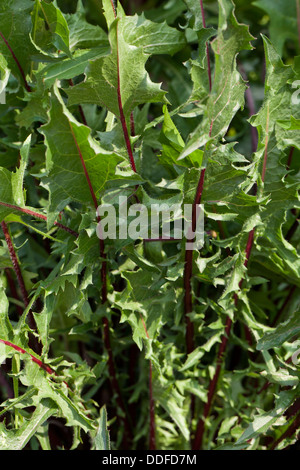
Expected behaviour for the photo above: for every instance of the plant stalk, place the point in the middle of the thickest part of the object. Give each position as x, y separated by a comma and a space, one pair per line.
37, 215
213, 383
33, 358
17, 269
103, 274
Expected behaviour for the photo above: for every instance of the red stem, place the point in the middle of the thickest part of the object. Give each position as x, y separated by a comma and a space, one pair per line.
132, 126
197, 444
33, 358
188, 269
213, 383
152, 444
121, 111
107, 343
292, 429
16, 61
38, 216
17, 269
122, 116
113, 7
87, 176
290, 157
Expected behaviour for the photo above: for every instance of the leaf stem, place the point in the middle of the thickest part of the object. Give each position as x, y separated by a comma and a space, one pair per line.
17, 269
114, 8
37, 215
103, 274
188, 269
213, 383
121, 110
290, 431
33, 358
17, 62
152, 444
197, 444
122, 116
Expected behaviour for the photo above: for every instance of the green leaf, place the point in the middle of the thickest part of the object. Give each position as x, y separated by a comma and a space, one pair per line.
10, 440
171, 400
17, 179
50, 27
4, 75
15, 25
281, 334
84, 35
263, 422
69, 144
152, 38
68, 68
283, 19
227, 94
112, 76
101, 440
281, 377
6, 193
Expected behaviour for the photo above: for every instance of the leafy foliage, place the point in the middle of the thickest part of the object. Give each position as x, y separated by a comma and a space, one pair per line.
159, 103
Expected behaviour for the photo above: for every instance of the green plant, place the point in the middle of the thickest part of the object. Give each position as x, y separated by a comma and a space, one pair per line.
167, 347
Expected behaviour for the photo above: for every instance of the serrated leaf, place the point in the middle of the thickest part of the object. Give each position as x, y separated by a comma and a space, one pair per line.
263, 422
84, 35
281, 334
112, 77
227, 94
50, 28
101, 440
15, 25
68, 142
10, 440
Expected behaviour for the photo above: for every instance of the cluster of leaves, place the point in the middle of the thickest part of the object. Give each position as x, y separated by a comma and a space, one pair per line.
166, 348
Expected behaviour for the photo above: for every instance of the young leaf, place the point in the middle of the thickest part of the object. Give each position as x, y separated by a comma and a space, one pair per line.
112, 78
227, 94
101, 440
